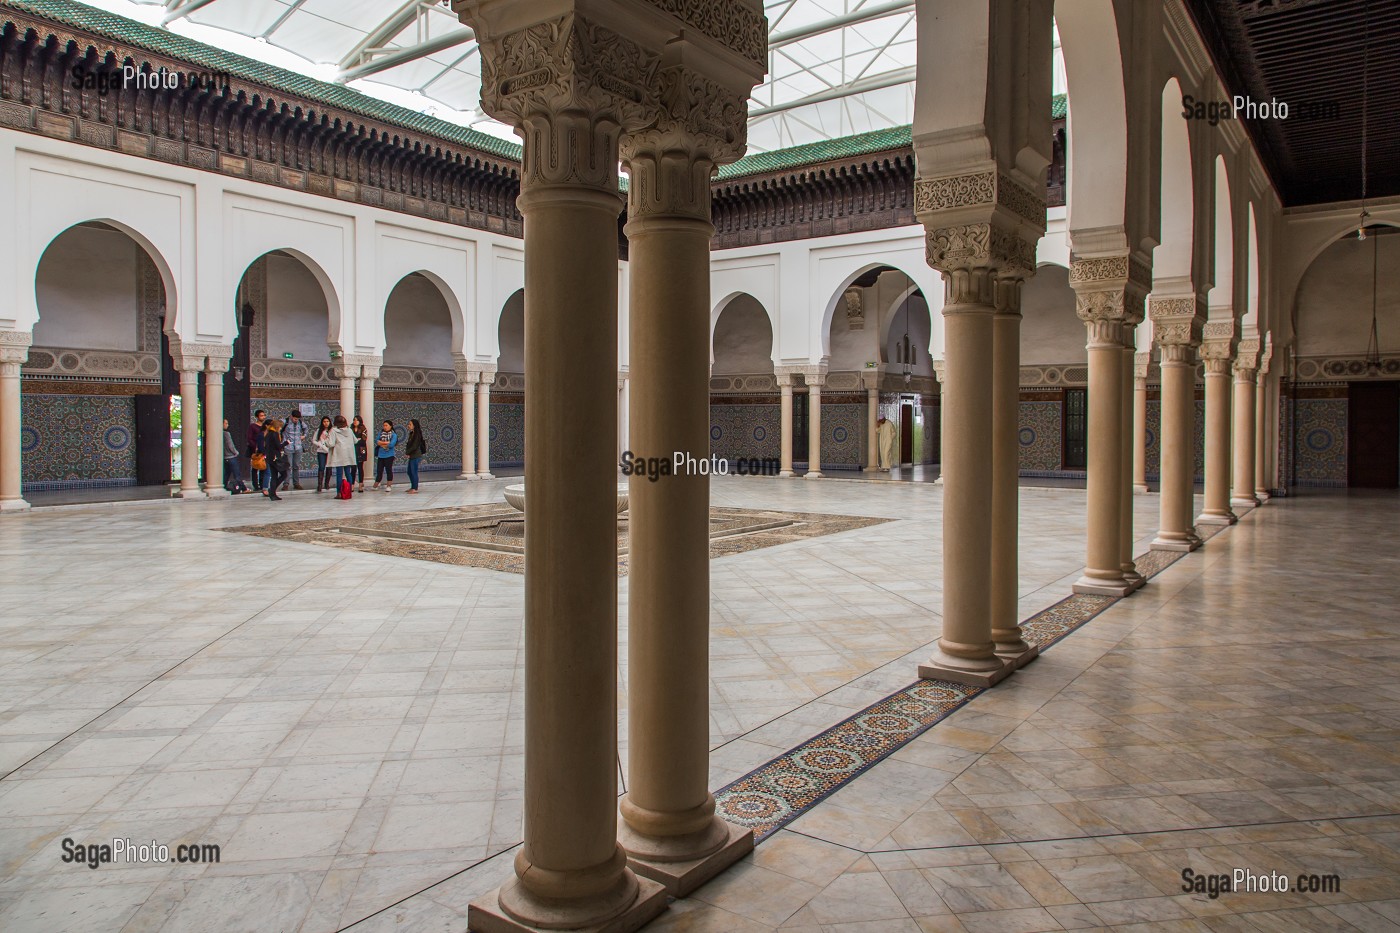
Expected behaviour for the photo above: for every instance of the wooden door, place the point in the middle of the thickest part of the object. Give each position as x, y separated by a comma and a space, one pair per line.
906, 433
152, 440
1373, 435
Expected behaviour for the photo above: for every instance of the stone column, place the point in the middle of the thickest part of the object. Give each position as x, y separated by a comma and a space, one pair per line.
624, 432
942, 410
368, 374
785, 388
978, 226
1217, 350
466, 379
1109, 298
815, 380
1263, 444
1011, 647
189, 363
570, 87
669, 826
347, 391
214, 371
1128, 433
1246, 373
1176, 326
14, 353
483, 424
1142, 363
871, 378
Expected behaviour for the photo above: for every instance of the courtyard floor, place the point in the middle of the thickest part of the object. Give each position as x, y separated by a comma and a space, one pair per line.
347, 725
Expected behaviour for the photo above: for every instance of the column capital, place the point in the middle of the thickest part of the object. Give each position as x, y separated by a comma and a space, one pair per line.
192, 356
14, 350
988, 218
812, 375
785, 376
467, 374
1142, 366
1176, 320
870, 378
1218, 346
218, 365
1247, 358
1111, 289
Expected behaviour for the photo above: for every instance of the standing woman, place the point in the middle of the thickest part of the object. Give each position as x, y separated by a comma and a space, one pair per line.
340, 450
276, 452
384, 455
319, 441
361, 433
416, 447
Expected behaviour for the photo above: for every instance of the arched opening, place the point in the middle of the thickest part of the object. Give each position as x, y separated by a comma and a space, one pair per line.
98, 385
1345, 414
1053, 432
507, 429
908, 392
418, 378
745, 412
1221, 297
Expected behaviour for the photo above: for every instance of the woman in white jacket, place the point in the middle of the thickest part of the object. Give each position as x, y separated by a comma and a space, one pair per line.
340, 452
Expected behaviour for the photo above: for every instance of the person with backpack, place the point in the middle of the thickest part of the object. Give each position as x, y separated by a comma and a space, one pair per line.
318, 447
384, 456
357, 426
340, 456
233, 475
275, 449
294, 435
257, 454
415, 450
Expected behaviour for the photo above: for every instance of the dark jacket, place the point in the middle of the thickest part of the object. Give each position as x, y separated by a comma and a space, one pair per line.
255, 439
361, 445
416, 446
273, 446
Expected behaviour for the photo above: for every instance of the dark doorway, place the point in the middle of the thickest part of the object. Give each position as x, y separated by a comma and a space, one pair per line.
152, 440
799, 428
906, 434
1075, 446
1373, 435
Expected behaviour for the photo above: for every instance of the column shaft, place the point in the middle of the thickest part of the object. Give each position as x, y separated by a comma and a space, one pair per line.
468, 431
785, 455
814, 427
872, 415
1242, 496
483, 426
965, 650
347, 398
1176, 527
1011, 647
214, 430
189, 434
1263, 437
11, 424
1140, 435
1125, 481
1103, 573
1217, 502
367, 413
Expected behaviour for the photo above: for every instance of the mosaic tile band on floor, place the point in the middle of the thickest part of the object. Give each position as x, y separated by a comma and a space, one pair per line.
778, 792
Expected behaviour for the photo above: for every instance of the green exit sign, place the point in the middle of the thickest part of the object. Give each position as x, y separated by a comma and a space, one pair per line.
287, 356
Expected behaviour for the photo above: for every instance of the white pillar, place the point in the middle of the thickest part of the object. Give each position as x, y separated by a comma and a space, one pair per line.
214, 372
623, 422
467, 380
14, 352
872, 415
1218, 350
815, 380
785, 416
368, 375
347, 393
1176, 327
1141, 364
1011, 646
483, 425
1245, 434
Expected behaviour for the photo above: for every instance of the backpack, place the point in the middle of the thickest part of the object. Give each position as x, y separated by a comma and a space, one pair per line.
345, 489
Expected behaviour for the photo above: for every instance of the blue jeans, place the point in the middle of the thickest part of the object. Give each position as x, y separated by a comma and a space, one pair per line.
233, 477
259, 477
413, 463
346, 474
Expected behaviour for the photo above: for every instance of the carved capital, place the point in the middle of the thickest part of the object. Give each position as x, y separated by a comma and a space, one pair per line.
1142, 366
14, 351
965, 247
784, 377
219, 364
1110, 288
989, 189
1176, 321
986, 218
1247, 356
870, 378
1178, 354
1218, 346
938, 368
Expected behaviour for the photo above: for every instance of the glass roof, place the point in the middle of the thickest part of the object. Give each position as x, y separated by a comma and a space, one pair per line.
836, 67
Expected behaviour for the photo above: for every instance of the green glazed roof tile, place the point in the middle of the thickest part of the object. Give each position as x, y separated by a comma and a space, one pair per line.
209, 58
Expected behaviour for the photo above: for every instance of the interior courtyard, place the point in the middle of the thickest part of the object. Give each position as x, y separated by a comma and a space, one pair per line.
852, 466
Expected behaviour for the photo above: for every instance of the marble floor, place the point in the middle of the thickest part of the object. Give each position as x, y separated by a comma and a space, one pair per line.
346, 726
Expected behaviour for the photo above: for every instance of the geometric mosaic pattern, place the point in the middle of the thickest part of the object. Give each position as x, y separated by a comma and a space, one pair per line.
78, 440
1039, 436
774, 794
1322, 442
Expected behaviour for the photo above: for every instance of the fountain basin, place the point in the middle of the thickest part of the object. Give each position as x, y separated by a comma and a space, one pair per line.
515, 497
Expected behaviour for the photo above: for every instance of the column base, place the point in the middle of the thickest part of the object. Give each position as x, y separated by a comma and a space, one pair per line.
986, 672
787, 473
1098, 586
468, 476
1140, 489
812, 474
1263, 495
1015, 658
1135, 580
1243, 503
939, 481
218, 493
1182, 545
1216, 518
485, 915
190, 494
682, 878
14, 505
485, 476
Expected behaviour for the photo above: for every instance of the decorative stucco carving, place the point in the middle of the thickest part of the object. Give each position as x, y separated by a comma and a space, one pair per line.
1110, 289
975, 189
855, 314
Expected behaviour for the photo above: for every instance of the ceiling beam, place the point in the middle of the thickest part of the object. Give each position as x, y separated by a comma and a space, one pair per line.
777, 40
384, 60
873, 83
175, 9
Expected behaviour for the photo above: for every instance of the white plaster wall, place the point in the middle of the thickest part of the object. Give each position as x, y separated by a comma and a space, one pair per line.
418, 325
1051, 333
511, 335
743, 338
298, 320
1334, 298
87, 291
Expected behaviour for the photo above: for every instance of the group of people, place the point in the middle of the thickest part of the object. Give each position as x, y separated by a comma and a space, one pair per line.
274, 449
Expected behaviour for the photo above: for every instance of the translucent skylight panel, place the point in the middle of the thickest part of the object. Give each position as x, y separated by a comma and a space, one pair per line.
246, 17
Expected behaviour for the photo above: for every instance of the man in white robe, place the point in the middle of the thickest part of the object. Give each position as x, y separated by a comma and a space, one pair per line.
885, 434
